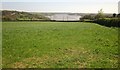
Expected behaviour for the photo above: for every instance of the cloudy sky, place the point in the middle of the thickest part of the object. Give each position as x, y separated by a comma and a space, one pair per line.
74, 6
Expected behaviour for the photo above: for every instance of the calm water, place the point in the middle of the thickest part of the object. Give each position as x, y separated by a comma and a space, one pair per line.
64, 17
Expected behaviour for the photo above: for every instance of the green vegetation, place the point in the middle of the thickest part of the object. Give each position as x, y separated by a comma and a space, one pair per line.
59, 45
110, 22
100, 14
102, 19
21, 16
93, 17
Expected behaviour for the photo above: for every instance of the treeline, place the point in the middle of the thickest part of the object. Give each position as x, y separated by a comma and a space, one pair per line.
110, 20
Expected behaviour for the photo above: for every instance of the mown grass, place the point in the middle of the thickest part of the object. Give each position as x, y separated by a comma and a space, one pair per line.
59, 45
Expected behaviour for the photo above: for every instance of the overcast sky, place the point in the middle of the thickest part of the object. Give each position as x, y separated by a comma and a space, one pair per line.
74, 6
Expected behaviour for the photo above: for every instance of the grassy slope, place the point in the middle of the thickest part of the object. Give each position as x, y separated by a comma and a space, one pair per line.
16, 15
59, 44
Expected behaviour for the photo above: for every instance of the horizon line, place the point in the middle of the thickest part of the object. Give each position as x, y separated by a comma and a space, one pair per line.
52, 11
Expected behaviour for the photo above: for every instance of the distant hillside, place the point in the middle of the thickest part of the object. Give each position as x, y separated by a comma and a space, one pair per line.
54, 13
16, 15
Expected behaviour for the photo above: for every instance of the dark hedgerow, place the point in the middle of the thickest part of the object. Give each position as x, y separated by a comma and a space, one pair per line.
110, 22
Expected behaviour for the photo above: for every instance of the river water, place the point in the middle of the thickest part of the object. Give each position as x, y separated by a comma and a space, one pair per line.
64, 17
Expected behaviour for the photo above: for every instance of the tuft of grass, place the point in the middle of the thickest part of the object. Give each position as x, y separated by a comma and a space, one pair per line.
59, 45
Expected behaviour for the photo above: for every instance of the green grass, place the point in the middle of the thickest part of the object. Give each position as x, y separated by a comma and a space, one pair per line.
59, 45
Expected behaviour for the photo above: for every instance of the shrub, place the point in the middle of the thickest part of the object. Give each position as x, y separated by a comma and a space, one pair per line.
100, 14
114, 15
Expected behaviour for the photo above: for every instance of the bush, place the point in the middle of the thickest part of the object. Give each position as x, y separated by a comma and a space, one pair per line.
6, 19
100, 14
110, 22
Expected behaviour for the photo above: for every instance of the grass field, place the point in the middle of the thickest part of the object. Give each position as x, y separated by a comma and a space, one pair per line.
59, 45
